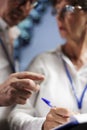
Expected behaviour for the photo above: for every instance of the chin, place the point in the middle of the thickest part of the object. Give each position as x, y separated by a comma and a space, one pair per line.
63, 35
11, 21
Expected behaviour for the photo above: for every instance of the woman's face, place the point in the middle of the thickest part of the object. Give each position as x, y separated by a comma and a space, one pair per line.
72, 25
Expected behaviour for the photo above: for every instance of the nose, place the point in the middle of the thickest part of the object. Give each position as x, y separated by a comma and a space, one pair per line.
26, 8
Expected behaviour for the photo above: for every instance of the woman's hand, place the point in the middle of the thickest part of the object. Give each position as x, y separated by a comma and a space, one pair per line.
56, 117
18, 87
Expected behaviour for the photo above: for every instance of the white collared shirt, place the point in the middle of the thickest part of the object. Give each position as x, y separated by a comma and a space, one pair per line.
56, 88
5, 69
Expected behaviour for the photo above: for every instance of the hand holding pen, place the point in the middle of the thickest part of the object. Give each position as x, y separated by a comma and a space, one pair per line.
56, 116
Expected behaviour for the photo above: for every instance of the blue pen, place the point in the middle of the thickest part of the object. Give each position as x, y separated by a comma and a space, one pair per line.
47, 102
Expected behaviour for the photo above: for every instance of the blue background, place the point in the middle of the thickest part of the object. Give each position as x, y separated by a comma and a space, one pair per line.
45, 36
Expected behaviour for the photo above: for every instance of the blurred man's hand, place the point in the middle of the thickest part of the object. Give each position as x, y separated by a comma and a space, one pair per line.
18, 87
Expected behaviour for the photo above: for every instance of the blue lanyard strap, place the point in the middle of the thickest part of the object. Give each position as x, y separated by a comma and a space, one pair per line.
79, 101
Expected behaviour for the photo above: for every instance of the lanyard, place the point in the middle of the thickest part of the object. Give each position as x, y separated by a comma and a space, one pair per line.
7, 55
79, 101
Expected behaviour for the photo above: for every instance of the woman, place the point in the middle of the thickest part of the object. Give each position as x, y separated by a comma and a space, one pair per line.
65, 71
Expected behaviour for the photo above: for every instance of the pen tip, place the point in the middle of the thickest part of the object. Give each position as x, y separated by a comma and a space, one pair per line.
45, 100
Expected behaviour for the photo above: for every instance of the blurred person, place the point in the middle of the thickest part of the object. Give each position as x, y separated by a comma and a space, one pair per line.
17, 87
65, 70
7, 8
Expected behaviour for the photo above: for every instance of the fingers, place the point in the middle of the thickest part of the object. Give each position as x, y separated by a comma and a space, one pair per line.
50, 125
13, 101
24, 81
28, 75
62, 112
56, 117
25, 84
18, 87
23, 94
17, 96
21, 99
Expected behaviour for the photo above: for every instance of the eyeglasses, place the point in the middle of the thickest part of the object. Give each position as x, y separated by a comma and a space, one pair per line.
68, 9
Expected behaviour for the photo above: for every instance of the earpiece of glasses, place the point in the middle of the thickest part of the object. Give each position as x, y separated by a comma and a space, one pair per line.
66, 9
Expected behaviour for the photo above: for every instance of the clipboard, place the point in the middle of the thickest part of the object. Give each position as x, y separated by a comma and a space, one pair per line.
67, 126
75, 120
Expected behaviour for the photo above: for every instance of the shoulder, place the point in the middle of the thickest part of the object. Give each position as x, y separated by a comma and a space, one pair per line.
45, 59
48, 55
